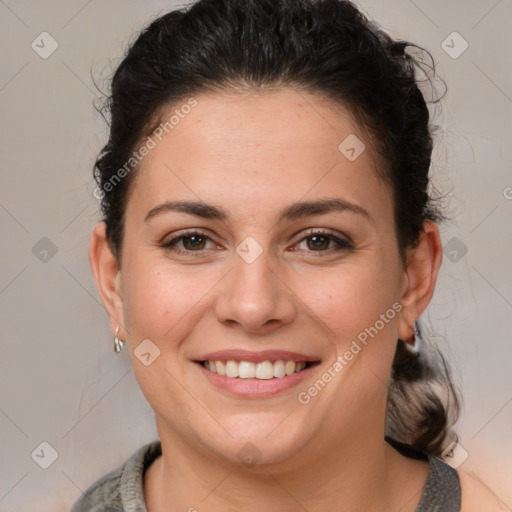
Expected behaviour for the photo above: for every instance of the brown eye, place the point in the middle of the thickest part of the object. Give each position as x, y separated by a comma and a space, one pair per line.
318, 242
193, 242
188, 243
323, 241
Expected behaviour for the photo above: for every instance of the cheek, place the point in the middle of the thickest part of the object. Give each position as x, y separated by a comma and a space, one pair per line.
163, 305
350, 298
161, 302
359, 307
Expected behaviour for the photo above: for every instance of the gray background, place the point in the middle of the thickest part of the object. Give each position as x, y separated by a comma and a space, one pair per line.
61, 382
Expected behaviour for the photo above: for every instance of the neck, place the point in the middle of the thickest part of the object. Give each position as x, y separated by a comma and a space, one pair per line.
361, 472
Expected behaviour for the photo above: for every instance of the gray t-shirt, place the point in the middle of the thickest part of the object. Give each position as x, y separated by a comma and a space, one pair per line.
122, 490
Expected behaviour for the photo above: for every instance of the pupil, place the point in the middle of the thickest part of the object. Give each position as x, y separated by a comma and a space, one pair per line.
198, 240
320, 238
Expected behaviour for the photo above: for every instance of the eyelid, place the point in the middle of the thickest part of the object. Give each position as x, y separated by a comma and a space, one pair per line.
342, 241
177, 237
340, 237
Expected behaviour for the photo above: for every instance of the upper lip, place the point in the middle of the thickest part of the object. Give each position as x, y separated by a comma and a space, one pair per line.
255, 357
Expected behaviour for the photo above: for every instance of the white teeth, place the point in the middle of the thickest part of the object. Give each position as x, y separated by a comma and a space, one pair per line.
289, 367
264, 370
279, 370
231, 369
247, 370
300, 366
220, 367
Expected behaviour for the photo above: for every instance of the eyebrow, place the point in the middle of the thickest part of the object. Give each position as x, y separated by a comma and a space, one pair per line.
294, 211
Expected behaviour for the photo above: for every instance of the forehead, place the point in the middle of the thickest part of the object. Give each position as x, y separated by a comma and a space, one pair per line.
255, 149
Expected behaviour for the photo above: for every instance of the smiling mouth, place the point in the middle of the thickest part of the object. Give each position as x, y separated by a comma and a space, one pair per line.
263, 370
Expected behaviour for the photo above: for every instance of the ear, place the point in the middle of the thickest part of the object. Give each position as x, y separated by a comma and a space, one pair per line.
107, 277
421, 271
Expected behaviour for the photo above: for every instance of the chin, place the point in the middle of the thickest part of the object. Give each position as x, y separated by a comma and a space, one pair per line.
260, 440
259, 453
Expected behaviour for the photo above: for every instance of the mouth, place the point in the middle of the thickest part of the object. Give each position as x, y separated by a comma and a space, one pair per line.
262, 370
255, 375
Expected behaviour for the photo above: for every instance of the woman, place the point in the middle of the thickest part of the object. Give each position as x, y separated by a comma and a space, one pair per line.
269, 243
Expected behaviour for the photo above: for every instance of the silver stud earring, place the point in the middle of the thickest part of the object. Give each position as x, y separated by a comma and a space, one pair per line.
413, 345
118, 344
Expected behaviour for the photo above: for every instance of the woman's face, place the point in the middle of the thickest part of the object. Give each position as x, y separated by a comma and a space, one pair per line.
255, 284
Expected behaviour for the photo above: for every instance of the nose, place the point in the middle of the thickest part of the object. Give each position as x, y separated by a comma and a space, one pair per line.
255, 298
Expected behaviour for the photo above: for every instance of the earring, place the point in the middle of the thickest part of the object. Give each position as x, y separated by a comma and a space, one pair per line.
118, 344
413, 344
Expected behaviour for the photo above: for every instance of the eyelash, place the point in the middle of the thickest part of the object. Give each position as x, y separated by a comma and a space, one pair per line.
342, 244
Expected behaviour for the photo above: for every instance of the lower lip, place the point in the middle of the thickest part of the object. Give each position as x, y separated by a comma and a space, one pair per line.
256, 388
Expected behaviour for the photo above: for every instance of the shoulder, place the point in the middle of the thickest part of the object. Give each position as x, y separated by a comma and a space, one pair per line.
477, 497
121, 487
103, 494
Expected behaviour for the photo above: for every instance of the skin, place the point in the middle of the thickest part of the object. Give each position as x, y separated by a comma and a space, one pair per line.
252, 154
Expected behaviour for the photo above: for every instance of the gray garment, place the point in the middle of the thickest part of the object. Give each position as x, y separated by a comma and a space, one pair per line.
442, 488
122, 489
